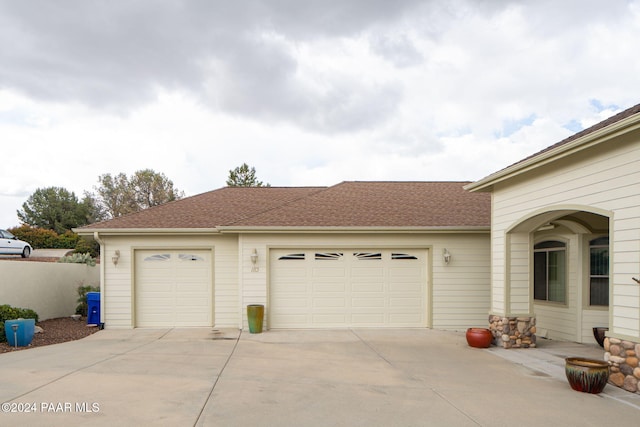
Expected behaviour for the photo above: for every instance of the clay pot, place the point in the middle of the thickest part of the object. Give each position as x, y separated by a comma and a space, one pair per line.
255, 315
586, 375
479, 337
599, 334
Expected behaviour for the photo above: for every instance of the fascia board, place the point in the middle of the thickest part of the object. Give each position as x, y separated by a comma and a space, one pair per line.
149, 231
599, 136
330, 230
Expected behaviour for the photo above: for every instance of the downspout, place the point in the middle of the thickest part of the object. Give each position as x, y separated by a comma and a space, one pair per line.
103, 265
240, 284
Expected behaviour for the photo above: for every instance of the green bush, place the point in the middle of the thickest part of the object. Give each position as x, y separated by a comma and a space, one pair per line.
68, 240
82, 308
10, 313
38, 237
41, 238
87, 246
79, 259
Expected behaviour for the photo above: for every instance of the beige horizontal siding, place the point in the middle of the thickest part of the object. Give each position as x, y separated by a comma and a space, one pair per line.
605, 179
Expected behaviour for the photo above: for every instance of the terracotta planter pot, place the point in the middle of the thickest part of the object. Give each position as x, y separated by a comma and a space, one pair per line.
586, 375
479, 337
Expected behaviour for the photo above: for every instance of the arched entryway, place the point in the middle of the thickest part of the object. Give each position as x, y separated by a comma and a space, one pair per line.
558, 264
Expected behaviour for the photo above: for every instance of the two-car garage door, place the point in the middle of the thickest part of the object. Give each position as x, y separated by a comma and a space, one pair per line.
173, 288
347, 288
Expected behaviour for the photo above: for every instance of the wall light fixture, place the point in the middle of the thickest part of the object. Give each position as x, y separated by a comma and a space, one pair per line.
254, 260
446, 255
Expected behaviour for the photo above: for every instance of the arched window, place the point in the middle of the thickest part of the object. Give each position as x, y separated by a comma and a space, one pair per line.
549, 271
599, 271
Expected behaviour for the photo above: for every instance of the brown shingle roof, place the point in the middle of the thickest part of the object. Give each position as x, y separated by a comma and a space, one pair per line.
349, 204
381, 204
209, 210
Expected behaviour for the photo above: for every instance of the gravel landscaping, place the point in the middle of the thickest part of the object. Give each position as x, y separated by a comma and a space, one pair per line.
56, 331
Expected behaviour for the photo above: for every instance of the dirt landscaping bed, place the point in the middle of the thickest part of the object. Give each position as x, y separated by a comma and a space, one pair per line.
56, 331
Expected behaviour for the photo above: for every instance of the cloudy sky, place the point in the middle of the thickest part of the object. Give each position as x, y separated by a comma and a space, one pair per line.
307, 92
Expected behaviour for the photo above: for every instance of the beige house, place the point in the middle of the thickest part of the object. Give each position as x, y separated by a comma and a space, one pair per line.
548, 247
565, 243
357, 254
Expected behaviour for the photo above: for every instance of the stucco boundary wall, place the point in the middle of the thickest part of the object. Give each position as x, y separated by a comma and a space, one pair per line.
49, 288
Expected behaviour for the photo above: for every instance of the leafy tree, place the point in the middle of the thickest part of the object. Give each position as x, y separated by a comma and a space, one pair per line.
115, 195
54, 208
120, 195
95, 210
243, 176
151, 189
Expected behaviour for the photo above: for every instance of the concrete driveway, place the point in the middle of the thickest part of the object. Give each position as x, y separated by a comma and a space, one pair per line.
188, 377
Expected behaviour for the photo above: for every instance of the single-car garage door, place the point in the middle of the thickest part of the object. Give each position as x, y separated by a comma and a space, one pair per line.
347, 288
173, 288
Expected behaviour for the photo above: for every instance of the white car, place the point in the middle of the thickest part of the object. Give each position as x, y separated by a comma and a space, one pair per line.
10, 245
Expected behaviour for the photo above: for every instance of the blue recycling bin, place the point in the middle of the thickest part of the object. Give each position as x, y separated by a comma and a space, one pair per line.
23, 334
93, 308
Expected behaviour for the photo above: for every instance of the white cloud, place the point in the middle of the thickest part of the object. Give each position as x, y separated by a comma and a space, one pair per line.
309, 93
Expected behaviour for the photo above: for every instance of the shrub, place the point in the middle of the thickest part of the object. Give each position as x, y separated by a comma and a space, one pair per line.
10, 313
38, 237
82, 308
68, 240
41, 238
86, 246
79, 259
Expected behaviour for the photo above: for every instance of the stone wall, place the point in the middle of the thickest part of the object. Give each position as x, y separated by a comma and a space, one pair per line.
513, 332
622, 356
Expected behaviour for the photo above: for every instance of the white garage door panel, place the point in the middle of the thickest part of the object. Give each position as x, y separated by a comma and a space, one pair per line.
345, 288
173, 288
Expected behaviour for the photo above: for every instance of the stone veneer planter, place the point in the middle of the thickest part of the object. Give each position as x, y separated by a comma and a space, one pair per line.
622, 356
513, 332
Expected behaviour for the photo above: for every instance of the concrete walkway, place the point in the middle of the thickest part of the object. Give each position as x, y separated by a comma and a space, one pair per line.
405, 377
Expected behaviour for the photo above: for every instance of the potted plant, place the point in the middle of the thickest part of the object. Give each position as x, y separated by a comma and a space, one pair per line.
599, 334
586, 375
479, 337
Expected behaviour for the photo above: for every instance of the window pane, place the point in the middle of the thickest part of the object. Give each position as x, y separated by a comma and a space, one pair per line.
556, 276
368, 255
599, 291
599, 270
540, 275
158, 257
334, 256
549, 244
292, 256
600, 241
599, 261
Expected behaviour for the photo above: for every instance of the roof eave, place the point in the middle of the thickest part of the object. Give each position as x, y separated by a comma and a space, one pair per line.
148, 231
596, 137
350, 229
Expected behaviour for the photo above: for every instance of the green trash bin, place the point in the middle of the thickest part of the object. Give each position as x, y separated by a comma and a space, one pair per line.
255, 314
